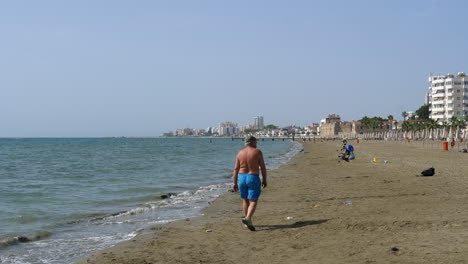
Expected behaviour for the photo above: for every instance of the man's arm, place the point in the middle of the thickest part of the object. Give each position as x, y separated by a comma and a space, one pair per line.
263, 168
235, 174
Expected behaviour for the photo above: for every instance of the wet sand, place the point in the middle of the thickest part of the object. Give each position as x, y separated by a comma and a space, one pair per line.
319, 210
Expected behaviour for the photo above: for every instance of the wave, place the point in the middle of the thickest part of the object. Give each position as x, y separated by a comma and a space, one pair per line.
184, 199
277, 161
13, 240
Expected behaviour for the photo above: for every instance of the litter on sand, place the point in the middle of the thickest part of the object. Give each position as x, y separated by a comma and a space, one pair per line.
428, 172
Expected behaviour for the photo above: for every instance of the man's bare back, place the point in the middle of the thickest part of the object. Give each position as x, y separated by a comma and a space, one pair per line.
249, 160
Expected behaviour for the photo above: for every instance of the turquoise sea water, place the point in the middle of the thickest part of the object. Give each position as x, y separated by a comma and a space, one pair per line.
63, 198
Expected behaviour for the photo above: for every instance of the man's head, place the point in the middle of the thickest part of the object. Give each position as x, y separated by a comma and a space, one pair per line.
251, 141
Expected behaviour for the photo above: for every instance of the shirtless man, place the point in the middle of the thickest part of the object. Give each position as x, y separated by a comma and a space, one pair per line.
246, 178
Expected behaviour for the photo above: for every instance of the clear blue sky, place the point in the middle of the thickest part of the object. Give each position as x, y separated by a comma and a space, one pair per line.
141, 68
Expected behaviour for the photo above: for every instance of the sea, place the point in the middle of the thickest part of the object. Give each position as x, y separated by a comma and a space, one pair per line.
61, 199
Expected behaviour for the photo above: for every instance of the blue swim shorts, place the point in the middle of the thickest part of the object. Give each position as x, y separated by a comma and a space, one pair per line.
249, 186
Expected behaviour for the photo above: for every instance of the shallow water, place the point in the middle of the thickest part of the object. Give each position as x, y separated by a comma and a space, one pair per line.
69, 197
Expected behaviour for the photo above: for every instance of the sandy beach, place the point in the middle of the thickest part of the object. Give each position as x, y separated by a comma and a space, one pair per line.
318, 210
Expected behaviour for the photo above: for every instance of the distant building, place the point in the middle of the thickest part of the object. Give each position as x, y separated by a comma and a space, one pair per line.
329, 130
330, 126
199, 132
333, 118
258, 122
333, 127
448, 96
228, 128
182, 132
313, 129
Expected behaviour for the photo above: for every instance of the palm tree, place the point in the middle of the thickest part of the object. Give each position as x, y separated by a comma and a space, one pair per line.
365, 122
404, 114
375, 123
432, 124
406, 126
456, 123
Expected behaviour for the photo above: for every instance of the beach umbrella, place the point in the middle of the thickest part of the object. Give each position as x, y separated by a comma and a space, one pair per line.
450, 134
457, 131
429, 136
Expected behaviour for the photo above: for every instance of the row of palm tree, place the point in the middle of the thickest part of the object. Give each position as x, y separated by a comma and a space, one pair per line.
454, 123
452, 129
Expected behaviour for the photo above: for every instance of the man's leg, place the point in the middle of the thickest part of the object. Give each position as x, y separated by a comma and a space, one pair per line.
245, 206
252, 205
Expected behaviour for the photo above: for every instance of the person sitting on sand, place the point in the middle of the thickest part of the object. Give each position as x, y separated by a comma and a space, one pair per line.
246, 178
343, 148
350, 151
347, 151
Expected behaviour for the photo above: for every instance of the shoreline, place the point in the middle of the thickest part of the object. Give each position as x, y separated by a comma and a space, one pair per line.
316, 210
208, 213
226, 202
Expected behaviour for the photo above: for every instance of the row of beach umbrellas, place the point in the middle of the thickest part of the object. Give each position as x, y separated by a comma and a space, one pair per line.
447, 134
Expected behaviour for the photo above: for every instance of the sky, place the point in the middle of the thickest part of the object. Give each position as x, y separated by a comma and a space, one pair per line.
141, 68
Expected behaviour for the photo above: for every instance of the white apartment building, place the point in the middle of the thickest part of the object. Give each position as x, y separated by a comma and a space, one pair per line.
258, 122
448, 96
228, 128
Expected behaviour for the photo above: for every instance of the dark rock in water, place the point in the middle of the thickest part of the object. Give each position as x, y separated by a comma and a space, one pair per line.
428, 172
23, 239
116, 214
167, 195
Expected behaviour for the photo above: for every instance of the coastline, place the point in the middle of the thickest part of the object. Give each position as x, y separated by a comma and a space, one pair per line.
316, 210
